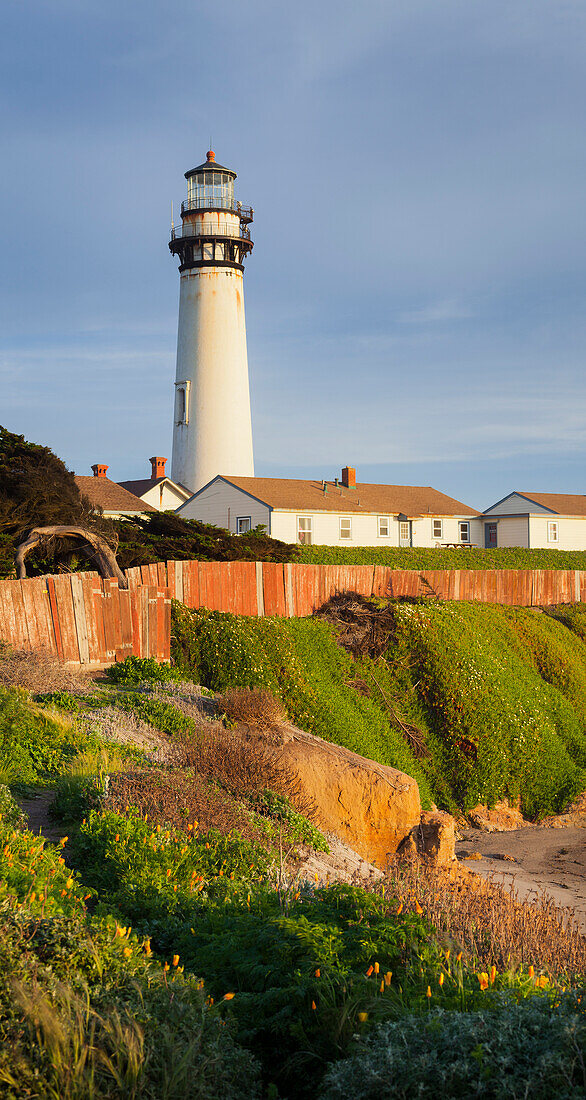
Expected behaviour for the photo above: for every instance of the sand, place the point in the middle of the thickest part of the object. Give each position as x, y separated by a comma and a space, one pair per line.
534, 860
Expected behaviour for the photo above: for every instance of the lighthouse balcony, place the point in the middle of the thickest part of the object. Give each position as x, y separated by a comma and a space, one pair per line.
197, 203
189, 229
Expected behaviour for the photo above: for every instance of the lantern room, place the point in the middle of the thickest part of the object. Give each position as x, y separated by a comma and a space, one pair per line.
209, 187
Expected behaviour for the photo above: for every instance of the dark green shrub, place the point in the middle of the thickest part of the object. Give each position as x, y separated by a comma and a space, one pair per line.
137, 670
532, 1049
158, 713
295, 826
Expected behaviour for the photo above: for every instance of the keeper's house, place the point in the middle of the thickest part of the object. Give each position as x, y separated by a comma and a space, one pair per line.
336, 513
553, 521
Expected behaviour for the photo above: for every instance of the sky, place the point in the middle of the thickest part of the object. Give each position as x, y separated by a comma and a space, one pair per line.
415, 297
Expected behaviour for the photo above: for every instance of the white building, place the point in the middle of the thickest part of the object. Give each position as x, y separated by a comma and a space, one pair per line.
553, 521
212, 428
336, 513
158, 490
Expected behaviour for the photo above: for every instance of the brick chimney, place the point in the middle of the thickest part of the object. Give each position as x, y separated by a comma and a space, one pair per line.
158, 467
99, 469
349, 477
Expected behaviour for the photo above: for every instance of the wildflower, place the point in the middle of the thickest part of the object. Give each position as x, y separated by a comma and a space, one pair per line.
318, 973
166, 967
313, 1006
117, 838
483, 980
369, 971
459, 957
400, 909
228, 996
531, 972
447, 954
128, 952
428, 994
388, 977
542, 981
418, 908
376, 968
382, 986
63, 841
441, 979
175, 960
363, 1017
492, 974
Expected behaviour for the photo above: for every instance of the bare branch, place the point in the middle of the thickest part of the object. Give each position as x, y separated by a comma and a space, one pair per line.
95, 546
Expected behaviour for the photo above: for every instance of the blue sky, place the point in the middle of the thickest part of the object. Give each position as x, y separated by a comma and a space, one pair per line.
415, 298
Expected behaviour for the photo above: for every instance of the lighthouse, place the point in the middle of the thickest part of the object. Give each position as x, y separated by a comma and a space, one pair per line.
212, 429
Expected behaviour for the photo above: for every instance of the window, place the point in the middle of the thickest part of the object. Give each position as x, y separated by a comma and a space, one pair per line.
242, 524
345, 528
383, 527
182, 402
552, 531
304, 530
464, 531
437, 529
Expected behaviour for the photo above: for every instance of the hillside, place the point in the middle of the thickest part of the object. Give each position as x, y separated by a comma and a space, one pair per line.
167, 946
477, 702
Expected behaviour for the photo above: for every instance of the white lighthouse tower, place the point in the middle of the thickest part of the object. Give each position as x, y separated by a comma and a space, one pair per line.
212, 431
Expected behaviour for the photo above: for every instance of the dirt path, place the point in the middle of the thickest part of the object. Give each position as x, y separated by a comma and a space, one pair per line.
534, 860
37, 811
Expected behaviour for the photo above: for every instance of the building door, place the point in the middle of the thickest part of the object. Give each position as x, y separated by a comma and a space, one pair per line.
405, 531
489, 535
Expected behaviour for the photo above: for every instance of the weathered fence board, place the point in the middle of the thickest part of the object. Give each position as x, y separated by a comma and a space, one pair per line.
84, 620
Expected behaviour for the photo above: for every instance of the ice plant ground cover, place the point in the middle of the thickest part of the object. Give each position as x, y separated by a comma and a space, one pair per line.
477, 702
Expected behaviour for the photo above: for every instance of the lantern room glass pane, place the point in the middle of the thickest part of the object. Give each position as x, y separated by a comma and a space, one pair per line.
211, 189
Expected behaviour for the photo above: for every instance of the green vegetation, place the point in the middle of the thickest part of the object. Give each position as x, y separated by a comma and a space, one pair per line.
35, 745
155, 953
406, 557
86, 1010
516, 1050
158, 712
138, 670
477, 702
300, 662
167, 537
36, 490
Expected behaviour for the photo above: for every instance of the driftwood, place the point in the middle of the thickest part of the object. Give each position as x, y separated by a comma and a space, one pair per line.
95, 546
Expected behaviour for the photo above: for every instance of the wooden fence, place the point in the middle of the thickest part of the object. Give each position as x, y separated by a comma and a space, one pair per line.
265, 588
84, 620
